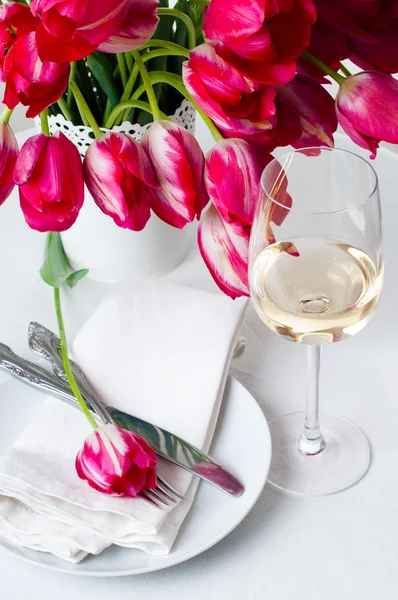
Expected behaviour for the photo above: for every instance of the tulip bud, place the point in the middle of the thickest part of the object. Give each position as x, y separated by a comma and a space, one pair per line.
178, 161
118, 175
137, 28
49, 174
232, 176
225, 253
366, 107
116, 462
8, 158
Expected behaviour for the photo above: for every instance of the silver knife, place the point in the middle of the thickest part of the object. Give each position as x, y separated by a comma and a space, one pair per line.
164, 443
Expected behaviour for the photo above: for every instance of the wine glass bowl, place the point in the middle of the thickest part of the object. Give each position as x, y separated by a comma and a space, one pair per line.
316, 273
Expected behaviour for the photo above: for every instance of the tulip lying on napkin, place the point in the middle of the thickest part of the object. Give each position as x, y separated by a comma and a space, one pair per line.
161, 352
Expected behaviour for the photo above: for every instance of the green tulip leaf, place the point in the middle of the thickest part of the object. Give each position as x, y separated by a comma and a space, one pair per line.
103, 73
55, 268
75, 277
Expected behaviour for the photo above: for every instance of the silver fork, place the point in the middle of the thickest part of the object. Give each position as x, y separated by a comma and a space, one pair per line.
164, 493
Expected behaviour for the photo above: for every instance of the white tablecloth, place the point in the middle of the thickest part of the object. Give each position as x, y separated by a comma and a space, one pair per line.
342, 547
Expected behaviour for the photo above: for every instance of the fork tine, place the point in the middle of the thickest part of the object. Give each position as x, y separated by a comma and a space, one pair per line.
165, 495
157, 495
166, 487
145, 496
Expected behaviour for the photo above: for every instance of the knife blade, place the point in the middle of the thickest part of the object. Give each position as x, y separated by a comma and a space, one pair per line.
164, 443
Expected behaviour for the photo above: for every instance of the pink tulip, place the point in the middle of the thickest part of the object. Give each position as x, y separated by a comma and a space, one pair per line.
116, 462
315, 111
382, 53
28, 80
366, 107
8, 158
178, 162
49, 174
233, 172
234, 102
356, 18
72, 29
261, 39
137, 28
225, 253
118, 175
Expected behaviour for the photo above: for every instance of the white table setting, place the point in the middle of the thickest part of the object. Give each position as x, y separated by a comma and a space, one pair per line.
342, 545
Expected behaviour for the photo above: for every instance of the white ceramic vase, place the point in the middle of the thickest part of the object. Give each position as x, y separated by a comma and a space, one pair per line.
113, 254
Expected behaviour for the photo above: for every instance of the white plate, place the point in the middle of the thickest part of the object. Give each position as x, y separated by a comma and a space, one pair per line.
242, 443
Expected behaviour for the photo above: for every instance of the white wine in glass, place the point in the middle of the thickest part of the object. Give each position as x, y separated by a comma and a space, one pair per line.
316, 274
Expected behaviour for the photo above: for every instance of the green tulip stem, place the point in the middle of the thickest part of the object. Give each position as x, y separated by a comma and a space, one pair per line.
72, 77
324, 67
63, 105
129, 61
122, 69
44, 122
344, 70
131, 104
175, 50
177, 82
5, 115
153, 42
84, 109
178, 14
66, 362
148, 85
199, 2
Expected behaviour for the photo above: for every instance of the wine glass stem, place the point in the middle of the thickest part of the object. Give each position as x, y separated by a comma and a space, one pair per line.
311, 441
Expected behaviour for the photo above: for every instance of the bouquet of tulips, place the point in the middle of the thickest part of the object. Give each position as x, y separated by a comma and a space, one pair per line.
254, 69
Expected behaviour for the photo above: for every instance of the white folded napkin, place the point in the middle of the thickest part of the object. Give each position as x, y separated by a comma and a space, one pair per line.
161, 352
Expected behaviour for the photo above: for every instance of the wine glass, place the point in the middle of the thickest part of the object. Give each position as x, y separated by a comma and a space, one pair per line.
316, 273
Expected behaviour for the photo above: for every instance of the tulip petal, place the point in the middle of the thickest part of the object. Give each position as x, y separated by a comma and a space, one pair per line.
316, 110
225, 254
118, 174
178, 162
380, 56
366, 109
232, 176
8, 158
137, 28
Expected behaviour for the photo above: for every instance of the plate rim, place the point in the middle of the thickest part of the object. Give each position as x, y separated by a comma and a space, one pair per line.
14, 549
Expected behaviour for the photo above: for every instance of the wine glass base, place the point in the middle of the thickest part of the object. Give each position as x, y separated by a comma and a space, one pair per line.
343, 462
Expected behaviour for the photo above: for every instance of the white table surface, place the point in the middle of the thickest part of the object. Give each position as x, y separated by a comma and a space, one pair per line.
341, 547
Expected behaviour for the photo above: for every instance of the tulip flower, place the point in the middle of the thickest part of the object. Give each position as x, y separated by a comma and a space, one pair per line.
178, 161
137, 28
232, 175
225, 253
28, 80
315, 110
49, 174
382, 53
366, 107
260, 39
116, 462
8, 157
72, 29
234, 102
118, 175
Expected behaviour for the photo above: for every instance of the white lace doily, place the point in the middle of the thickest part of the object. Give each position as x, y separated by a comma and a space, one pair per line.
83, 136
